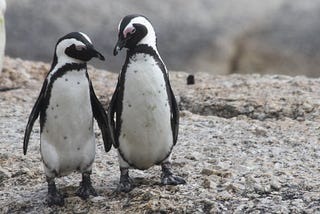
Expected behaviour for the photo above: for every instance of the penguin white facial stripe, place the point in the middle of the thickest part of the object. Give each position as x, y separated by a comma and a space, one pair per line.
61, 47
119, 25
86, 37
63, 58
143, 21
150, 38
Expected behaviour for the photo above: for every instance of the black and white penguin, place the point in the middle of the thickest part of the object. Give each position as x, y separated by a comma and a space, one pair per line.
143, 110
67, 105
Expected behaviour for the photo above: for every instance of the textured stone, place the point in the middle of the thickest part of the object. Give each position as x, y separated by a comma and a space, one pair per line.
242, 148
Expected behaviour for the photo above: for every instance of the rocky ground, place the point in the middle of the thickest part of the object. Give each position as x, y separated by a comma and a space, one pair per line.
247, 144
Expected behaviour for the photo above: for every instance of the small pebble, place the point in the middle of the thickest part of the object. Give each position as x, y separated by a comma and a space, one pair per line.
190, 79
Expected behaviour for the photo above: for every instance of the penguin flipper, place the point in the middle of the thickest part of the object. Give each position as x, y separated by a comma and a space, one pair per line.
113, 108
174, 110
102, 118
174, 117
33, 116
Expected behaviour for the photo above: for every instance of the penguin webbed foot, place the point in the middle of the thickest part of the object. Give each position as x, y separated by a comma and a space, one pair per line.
126, 183
167, 177
172, 180
54, 196
86, 189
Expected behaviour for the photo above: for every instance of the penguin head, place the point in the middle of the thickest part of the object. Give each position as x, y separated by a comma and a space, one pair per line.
76, 47
134, 30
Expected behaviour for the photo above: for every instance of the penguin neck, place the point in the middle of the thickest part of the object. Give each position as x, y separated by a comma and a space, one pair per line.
59, 71
145, 49
150, 40
60, 67
60, 62
147, 44
64, 59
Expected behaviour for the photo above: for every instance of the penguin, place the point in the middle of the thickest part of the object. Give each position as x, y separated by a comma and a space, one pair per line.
143, 111
67, 105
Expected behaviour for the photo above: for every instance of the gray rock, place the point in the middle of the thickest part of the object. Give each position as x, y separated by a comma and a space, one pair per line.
239, 164
3, 177
285, 41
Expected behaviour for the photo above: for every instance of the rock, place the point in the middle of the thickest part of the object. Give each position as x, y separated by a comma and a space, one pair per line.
262, 189
283, 42
236, 187
224, 196
231, 102
233, 160
207, 172
3, 177
275, 184
259, 131
206, 183
190, 80
98, 199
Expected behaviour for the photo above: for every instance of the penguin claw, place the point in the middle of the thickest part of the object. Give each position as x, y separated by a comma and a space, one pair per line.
85, 190
172, 180
167, 177
56, 198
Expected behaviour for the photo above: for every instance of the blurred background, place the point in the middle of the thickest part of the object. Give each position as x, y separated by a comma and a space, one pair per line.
221, 37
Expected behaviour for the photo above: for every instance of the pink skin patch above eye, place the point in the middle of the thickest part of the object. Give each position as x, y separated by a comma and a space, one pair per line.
80, 47
130, 30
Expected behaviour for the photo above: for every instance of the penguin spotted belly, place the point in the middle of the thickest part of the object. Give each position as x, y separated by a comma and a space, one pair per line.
67, 105
146, 135
67, 139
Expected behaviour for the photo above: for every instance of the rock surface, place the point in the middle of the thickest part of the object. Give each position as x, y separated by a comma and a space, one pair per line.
247, 144
284, 42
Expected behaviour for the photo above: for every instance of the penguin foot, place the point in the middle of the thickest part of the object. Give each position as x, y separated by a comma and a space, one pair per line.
172, 180
167, 177
54, 196
86, 189
126, 183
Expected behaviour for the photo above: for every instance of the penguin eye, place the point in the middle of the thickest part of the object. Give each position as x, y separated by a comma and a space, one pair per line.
129, 30
133, 31
80, 47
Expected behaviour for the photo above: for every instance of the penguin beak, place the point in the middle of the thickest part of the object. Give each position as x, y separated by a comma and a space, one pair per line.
120, 44
94, 53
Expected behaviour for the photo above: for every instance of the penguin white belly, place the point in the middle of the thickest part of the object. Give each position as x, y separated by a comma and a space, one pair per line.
146, 134
67, 138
